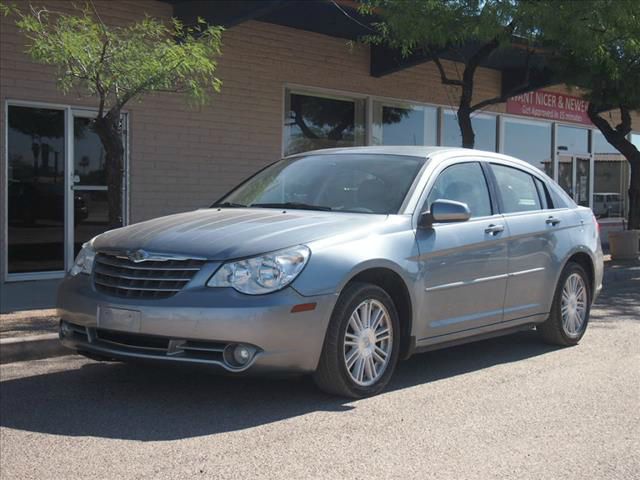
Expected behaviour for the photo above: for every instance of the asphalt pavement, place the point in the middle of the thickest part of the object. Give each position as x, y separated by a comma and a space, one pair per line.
509, 407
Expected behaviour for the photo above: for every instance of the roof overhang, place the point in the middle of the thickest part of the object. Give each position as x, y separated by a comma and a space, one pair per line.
341, 19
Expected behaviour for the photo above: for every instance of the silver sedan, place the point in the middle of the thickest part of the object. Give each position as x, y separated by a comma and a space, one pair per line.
339, 263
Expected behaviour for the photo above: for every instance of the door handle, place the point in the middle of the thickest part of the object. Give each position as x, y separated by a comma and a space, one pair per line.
553, 221
494, 229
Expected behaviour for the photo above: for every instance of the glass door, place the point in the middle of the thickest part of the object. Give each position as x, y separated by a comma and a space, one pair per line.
90, 205
56, 188
36, 157
574, 176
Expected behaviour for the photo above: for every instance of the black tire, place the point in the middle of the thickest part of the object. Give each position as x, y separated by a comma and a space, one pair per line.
552, 330
331, 375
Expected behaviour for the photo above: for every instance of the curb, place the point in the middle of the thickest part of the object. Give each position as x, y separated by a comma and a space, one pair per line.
34, 347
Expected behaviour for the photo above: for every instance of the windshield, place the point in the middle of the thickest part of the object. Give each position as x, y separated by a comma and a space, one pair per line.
362, 183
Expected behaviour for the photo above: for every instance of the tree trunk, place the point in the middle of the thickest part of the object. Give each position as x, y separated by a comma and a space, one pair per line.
617, 137
634, 192
108, 128
466, 128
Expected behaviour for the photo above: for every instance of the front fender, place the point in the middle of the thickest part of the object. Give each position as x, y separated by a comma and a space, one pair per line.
333, 265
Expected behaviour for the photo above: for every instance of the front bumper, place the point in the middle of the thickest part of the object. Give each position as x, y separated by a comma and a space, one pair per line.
195, 326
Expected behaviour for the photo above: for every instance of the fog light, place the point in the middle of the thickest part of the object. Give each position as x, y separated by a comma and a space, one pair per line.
65, 329
241, 354
238, 355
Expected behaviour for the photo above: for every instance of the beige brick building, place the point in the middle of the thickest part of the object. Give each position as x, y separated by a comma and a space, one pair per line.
180, 158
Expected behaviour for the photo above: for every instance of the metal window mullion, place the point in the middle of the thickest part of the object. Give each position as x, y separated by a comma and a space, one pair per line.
554, 150
68, 188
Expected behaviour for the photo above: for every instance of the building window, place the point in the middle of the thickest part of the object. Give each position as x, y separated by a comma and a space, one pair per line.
484, 127
572, 139
610, 181
404, 125
314, 122
530, 141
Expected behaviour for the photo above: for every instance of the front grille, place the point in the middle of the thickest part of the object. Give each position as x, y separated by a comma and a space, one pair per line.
120, 277
157, 345
134, 340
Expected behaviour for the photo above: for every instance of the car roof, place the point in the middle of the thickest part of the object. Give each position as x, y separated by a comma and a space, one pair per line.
432, 153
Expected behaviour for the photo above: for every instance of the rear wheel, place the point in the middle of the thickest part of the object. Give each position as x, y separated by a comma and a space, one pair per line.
362, 343
569, 316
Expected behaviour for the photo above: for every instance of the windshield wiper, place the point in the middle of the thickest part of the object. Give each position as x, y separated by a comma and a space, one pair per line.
294, 205
228, 205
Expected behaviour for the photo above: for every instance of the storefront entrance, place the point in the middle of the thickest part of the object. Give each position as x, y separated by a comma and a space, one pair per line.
56, 192
576, 178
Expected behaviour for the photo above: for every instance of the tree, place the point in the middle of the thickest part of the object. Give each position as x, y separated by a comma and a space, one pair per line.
595, 46
475, 29
118, 65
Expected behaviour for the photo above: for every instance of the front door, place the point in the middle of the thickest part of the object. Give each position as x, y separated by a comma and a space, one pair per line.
56, 188
463, 265
90, 210
574, 176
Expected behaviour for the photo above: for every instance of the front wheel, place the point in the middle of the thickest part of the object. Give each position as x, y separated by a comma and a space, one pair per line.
362, 343
569, 316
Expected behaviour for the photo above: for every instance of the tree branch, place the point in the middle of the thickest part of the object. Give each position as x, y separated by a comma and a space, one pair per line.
525, 86
140, 88
99, 86
443, 75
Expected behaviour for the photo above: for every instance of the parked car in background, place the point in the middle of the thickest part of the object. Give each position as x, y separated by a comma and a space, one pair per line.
339, 263
608, 205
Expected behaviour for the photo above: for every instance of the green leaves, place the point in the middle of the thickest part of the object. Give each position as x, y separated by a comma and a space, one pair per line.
434, 24
118, 64
595, 45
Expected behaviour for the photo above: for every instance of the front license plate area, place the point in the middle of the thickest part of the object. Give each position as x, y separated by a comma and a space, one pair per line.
118, 319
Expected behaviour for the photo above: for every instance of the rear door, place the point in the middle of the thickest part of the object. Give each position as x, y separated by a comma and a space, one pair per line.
539, 234
463, 265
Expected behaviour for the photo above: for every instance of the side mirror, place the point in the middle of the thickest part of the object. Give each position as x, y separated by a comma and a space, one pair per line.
444, 211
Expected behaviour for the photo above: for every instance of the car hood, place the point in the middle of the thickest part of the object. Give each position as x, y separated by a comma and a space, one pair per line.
223, 234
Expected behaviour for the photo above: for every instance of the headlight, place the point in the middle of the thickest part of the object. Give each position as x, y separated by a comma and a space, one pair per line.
264, 274
84, 260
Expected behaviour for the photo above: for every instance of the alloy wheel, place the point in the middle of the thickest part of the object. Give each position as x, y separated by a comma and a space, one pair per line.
573, 306
368, 342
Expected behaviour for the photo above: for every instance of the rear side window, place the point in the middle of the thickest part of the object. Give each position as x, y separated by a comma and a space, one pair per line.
464, 182
517, 189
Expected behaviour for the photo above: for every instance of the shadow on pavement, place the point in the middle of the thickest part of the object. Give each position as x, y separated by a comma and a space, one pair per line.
152, 403
618, 301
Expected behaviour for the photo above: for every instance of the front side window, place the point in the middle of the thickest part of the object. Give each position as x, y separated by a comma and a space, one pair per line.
517, 189
358, 183
315, 122
466, 183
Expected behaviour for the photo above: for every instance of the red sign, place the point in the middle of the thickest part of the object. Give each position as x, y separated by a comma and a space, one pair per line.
550, 105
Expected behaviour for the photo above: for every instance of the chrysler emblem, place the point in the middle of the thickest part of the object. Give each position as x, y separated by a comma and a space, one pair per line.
138, 256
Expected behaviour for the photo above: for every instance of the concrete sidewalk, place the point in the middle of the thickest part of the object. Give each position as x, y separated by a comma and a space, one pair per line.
29, 335
32, 335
